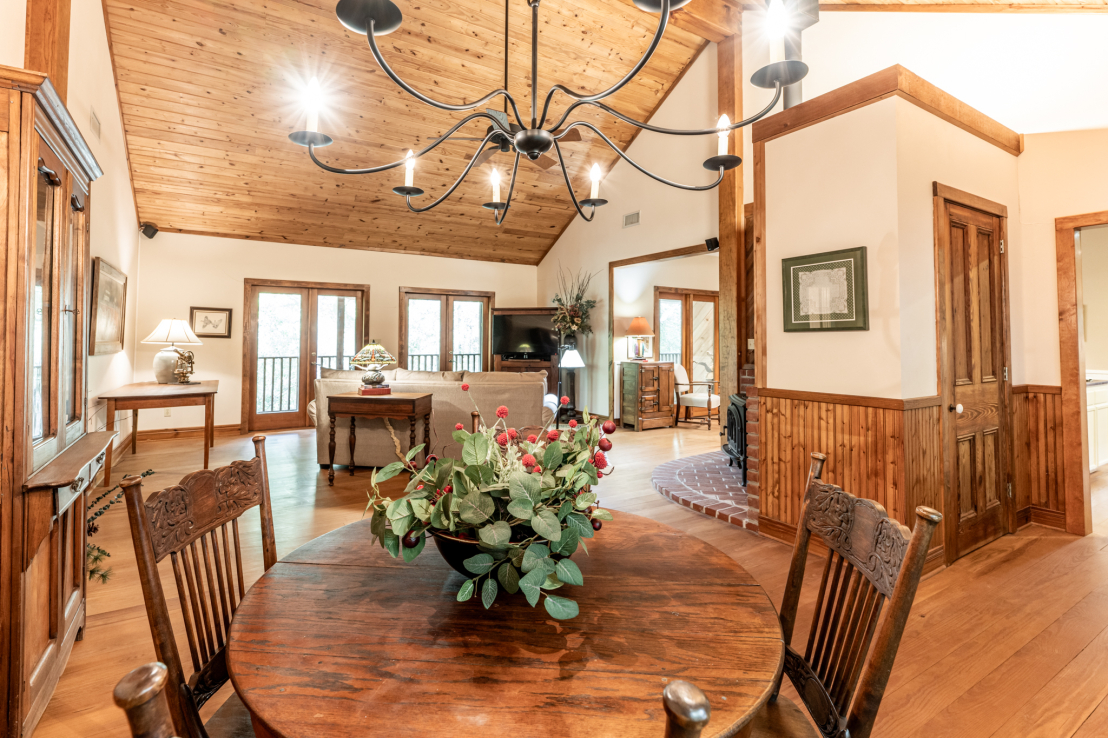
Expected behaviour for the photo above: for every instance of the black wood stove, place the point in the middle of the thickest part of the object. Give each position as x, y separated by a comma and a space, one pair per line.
734, 443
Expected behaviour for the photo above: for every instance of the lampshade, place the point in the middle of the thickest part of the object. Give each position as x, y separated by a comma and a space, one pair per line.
173, 331
571, 359
372, 355
639, 327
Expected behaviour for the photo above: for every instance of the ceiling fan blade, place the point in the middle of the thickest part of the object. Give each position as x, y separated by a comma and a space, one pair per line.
573, 134
500, 115
486, 155
544, 161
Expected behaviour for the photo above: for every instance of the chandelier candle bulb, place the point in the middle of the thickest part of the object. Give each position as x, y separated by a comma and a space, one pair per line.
409, 169
724, 127
776, 27
495, 186
313, 102
594, 175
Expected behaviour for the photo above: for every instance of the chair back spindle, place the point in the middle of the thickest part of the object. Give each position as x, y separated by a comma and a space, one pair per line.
687, 710
866, 589
195, 523
141, 694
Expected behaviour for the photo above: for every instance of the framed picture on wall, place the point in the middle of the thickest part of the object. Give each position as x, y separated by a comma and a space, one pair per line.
210, 322
109, 308
826, 292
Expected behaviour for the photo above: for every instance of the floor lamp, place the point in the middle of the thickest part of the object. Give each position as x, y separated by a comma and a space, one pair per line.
571, 361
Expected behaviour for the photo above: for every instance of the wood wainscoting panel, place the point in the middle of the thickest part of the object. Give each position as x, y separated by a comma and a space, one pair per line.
1038, 476
880, 449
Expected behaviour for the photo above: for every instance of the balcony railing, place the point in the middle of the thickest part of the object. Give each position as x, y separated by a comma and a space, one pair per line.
331, 362
467, 362
278, 384
675, 358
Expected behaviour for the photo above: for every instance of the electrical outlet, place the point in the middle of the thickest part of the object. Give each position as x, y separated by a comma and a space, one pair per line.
750, 344
168, 412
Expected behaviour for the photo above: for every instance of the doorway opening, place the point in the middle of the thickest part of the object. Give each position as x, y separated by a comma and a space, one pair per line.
445, 330
292, 332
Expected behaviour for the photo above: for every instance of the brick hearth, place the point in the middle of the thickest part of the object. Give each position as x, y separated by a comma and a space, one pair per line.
706, 484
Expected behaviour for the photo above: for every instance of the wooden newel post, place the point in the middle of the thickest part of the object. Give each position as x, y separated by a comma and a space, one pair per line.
475, 421
687, 710
141, 694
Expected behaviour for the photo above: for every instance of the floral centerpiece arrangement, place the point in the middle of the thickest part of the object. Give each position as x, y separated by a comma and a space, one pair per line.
509, 513
571, 307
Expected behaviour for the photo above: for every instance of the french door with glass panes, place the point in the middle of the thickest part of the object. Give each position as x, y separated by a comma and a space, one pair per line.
686, 331
295, 330
444, 330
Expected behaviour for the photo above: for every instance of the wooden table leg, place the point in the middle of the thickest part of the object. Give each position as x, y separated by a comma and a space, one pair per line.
411, 432
353, 440
109, 426
426, 437
211, 423
207, 420
134, 431
331, 452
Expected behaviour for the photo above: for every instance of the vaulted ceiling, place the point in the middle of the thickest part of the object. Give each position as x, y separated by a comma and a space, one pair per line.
210, 90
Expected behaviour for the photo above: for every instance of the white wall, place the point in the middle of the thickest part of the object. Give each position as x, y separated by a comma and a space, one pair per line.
671, 218
114, 225
1094, 276
13, 32
633, 296
180, 271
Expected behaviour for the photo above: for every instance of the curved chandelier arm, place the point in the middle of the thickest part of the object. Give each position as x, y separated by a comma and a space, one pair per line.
458, 181
632, 162
435, 103
569, 186
393, 165
662, 22
500, 215
670, 131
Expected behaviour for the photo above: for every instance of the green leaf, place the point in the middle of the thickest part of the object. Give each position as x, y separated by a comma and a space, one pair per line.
403, 525
440, 513
581, 480
413, 451
390, 471
508, 577
443, 473
392, 543
466, 591
601, 514
521, 508
421, 508
398, 509
476, 508
552, 459
516, 554
377, 524
568, 544
488, 592
460, 436
590, 471
479, 564
473, 473
569, 573
561, 608
552, 581
411, 553
530, 584
565, 509
496, 534
580, 523
475, 450
565, 471
584, 500
533, 557
523, 485
547, 525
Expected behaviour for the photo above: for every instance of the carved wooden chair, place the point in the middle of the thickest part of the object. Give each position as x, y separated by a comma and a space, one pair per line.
195, 524
141, 694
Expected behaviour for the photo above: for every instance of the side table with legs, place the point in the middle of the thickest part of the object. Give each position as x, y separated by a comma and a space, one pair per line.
399, 406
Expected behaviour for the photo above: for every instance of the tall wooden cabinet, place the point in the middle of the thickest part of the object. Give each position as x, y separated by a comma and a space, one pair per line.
47, 460
647, 399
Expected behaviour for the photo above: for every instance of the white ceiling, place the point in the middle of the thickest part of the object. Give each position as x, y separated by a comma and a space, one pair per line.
1033, 73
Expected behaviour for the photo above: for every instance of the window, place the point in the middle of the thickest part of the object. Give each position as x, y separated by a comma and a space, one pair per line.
685, 323
444, 330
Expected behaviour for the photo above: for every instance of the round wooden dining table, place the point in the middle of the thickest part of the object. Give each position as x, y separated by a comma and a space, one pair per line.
339, 639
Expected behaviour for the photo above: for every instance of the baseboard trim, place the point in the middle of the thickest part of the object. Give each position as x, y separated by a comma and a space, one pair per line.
775, 529
1023, 517
1047, 517
167, 434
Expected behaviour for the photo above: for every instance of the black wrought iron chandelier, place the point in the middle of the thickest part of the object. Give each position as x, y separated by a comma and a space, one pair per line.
380, 17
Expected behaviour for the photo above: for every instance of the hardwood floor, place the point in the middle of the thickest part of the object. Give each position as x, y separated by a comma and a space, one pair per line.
1010, 641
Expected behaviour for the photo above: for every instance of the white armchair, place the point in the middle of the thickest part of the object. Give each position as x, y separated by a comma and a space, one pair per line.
688, 398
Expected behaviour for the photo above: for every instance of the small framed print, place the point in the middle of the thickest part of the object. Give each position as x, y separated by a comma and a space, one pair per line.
826, 292
210, 322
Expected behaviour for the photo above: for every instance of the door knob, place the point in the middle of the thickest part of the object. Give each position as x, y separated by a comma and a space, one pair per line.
955, 408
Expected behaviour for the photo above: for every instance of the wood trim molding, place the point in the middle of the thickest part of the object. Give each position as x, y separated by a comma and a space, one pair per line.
659, 256
895, 80
731, 323
1075, 434
1042, 389
167, 434
970, 200
760, 327
886, 403
402, 307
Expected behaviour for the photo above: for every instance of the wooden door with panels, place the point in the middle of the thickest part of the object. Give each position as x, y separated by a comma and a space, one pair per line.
445, 330
974, 350
686, 332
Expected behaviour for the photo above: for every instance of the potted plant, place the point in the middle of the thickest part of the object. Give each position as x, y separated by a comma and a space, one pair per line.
509, 514
571, 306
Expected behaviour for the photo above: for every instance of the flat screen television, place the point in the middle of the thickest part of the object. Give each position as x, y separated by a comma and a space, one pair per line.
524, 336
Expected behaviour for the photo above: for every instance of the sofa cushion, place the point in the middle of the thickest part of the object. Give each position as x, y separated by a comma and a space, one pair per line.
341, 373
410, 377
503, 377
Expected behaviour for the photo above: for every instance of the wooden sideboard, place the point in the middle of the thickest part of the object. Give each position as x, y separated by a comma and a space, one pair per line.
48, 460
647, 399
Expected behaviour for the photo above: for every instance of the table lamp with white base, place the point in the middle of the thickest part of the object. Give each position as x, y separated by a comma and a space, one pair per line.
174, 332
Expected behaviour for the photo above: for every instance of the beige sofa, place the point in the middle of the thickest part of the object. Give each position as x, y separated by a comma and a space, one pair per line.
523, 394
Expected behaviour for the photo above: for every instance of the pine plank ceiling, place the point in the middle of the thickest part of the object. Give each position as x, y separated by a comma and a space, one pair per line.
210, 90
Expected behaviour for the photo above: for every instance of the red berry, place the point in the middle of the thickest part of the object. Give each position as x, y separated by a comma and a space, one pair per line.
552, 435
458, 426
431, 458
528, 461
596, 524
502, 439
410, 539
605, 444
465, 388
609, 426
600, 460
501, 412
565, 400
573, 424
600, 475
537, 470
448, 489
513, 433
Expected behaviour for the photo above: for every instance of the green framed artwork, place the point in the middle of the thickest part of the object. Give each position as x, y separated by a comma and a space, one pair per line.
826, 292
